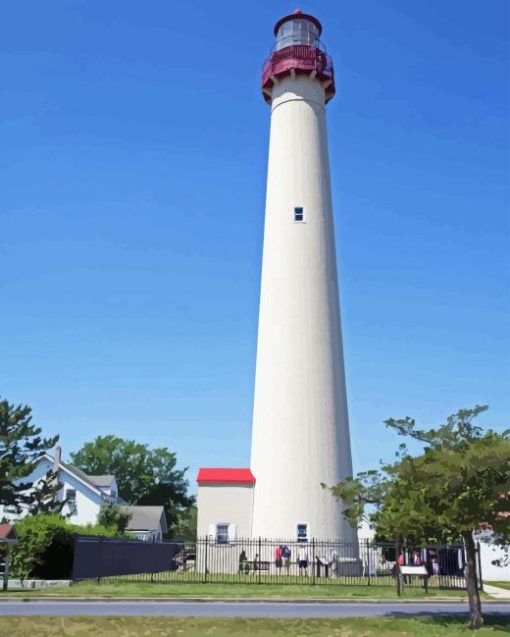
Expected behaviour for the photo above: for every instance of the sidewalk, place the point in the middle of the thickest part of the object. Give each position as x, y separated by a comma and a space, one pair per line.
501, 594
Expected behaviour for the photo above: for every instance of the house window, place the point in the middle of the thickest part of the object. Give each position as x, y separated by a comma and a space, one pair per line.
222, 533
299, 214
71, 501
302, 532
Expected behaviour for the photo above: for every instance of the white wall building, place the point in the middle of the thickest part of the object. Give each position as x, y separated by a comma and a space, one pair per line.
225, 504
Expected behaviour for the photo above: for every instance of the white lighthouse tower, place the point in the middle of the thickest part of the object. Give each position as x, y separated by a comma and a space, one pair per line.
300, 422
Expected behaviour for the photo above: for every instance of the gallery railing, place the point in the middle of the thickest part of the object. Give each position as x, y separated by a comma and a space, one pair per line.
270, 561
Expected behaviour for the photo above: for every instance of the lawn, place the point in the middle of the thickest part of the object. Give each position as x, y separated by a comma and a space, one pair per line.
245, 591
199, 627
505, 585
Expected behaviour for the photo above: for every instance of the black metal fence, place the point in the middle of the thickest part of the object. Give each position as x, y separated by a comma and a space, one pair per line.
269, 561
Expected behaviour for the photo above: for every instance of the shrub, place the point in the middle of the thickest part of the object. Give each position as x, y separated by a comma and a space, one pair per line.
114, 517
46, 546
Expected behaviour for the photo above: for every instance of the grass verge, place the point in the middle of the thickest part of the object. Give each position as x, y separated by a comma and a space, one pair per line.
437, 626
505, 585
229, 591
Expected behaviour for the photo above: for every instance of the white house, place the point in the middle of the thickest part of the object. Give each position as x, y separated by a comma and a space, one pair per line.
494, 558
86, 494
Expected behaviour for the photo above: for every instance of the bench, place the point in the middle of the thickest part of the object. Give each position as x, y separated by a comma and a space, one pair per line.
255, 566
417, 571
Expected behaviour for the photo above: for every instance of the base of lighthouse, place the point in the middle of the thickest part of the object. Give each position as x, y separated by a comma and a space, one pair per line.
225, 534
225, 503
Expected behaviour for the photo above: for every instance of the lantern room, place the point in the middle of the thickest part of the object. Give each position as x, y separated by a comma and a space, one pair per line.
298, 50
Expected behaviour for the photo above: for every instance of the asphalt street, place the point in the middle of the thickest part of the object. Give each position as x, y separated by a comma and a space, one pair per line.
239, 609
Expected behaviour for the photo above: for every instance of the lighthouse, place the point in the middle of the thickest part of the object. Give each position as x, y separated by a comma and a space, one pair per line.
300, 435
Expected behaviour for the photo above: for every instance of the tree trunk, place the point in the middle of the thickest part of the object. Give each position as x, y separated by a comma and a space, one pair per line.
475, 607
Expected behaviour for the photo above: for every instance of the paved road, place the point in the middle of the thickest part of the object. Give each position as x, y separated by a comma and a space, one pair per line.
238, 609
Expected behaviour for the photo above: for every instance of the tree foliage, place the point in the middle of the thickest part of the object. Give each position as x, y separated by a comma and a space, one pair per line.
186, 527
460, 481
21, 447
144, 476
46, 496
114, 517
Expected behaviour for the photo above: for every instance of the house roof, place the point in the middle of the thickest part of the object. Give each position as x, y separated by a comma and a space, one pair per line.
102, 481
233, 476
146, 518
80, 474
8, 534
77, 473
96, 482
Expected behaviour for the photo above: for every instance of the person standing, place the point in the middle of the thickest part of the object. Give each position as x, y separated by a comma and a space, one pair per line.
415, 558
286, 554
303, 560
278, 559
244, 567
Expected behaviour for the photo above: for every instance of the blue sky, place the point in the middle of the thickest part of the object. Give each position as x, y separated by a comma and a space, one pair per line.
132, 181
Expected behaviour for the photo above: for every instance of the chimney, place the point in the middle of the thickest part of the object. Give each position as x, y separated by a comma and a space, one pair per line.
56, 458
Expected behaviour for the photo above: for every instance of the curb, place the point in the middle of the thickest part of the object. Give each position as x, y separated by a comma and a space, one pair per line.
237, 600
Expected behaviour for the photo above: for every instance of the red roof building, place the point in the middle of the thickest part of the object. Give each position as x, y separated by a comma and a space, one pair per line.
224, 503
225, 476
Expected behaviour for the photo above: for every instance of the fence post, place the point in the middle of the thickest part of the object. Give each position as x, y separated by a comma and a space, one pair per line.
398, 574
479, 562
314, 559
260, 553
205, 558
369, 556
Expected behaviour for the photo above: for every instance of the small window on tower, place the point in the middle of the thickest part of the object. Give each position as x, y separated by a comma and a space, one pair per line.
299, 214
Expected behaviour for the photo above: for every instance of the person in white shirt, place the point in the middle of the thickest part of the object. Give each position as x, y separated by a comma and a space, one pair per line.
303, 560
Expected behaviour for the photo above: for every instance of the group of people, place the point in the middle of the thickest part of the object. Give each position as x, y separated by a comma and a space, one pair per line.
283, 555
432, 562
282, 559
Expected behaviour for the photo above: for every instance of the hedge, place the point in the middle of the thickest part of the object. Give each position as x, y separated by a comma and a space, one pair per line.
46, 545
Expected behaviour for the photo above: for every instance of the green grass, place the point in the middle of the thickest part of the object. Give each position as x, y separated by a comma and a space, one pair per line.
505, 585
436, 626
179, 590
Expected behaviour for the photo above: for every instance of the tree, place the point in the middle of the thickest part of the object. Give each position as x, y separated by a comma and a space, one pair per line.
144, 476
21, 447
186, 527
114, 516
460, 481
45, 497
